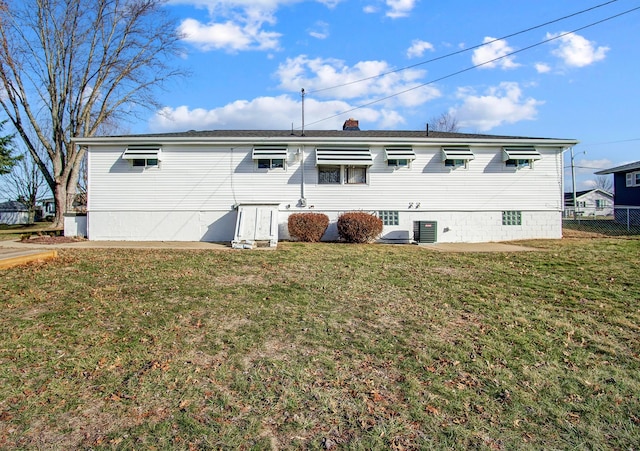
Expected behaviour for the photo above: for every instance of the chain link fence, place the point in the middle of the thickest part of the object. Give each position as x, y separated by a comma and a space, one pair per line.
623, 221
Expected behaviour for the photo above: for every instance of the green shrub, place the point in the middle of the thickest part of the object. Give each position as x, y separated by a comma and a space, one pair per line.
308, 227
359, 227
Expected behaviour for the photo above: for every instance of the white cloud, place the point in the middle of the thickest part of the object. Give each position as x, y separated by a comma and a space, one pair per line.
400, 8
237, 25
576, 51
493, 51
370, 9
586, 166
500, 105
229, 35
320, 30
542, 68
418, 47
318, 74
269, 113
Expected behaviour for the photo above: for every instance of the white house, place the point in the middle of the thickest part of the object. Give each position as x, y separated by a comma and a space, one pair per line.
592, 203
13, 213
221, 186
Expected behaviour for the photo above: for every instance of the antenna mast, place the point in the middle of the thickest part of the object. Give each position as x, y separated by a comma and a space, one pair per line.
302, 111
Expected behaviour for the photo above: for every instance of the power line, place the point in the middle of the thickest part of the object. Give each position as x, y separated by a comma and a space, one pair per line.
611, 142
475, 66
463, 50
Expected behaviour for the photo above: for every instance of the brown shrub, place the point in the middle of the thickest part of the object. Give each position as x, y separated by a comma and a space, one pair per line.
359, 227
308, 227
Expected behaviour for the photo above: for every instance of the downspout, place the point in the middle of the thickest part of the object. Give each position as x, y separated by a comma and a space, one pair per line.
573, 183
303, 200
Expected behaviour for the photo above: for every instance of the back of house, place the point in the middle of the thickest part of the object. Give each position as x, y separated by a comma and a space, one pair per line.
425, 186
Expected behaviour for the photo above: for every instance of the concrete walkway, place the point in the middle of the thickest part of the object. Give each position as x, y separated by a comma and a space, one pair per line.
16, 252
478, 247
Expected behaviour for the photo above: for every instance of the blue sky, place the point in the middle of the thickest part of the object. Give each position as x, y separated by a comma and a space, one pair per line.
249, 60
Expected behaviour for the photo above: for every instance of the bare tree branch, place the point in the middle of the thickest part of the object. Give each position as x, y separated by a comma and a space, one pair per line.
444, 123
69, 66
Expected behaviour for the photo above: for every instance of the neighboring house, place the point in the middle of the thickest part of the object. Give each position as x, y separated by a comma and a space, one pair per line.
591, 203
47, 208
626, 185
13, 213
243, 184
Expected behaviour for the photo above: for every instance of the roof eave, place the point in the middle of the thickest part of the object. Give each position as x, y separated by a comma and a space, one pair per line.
337, 140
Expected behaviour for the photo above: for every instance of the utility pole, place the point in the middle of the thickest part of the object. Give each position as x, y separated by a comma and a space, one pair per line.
573, 182
573, 187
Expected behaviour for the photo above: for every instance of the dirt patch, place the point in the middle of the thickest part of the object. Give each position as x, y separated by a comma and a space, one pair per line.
46, 239
572, 233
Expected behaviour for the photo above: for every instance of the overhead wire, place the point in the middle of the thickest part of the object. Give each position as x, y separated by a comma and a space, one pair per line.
475, 66
458, 52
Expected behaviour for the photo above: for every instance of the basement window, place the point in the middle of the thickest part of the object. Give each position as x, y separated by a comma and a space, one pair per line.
511, 218
389, 218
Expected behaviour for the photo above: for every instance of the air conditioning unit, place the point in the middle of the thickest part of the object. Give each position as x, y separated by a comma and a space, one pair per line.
425, 231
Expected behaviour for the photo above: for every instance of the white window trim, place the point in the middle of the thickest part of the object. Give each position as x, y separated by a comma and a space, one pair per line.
271, 166
146, 165
271, 153
394, 155
520, 155
143, 152
458, 163
342, 168
633, 179
457, 154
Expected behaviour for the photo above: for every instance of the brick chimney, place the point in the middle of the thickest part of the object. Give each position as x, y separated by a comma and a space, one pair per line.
350, 124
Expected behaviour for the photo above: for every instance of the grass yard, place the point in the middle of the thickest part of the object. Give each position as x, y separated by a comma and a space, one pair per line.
324, 346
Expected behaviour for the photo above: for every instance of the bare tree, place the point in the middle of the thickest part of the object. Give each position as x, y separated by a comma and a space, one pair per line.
68, 66
446, 122
26, 182
604, 183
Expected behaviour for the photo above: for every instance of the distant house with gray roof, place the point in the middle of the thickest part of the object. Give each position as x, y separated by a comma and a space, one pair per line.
13, 213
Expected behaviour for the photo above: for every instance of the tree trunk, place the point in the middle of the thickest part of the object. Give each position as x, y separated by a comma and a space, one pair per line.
60, 198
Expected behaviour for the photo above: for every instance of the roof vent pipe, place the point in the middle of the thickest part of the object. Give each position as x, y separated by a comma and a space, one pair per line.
427, 129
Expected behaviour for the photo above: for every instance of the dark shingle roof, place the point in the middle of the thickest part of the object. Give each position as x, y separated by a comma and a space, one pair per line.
568, 197
13, 205
624, 168
319, 134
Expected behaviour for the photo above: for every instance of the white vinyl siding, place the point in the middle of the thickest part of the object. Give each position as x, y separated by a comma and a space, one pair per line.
198, 184
207, 177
